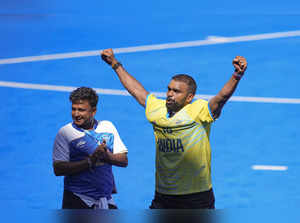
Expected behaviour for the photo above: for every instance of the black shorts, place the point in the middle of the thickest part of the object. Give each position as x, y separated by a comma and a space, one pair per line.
71, 201
201, 200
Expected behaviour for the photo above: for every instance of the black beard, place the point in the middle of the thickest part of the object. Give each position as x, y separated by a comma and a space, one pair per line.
173, 107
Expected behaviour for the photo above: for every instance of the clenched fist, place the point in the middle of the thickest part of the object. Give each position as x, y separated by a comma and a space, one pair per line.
240, 65
108, 56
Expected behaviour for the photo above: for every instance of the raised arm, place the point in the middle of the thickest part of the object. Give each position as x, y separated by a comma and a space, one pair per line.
134, 87
217, 102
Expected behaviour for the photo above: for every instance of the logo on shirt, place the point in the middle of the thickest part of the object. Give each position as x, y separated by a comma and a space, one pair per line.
81, 143
105, 138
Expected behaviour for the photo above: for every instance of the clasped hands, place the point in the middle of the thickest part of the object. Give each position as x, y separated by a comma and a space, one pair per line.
100, 154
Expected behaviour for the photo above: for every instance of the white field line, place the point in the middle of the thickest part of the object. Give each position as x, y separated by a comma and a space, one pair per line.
159, 94
212, 40
266, 167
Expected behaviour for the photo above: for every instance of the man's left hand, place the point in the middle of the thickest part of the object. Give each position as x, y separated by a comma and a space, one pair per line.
240, 64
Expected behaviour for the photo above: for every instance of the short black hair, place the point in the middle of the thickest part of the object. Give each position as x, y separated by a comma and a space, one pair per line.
192, 86
84, 93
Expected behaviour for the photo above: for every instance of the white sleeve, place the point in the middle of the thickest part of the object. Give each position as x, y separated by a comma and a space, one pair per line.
119, 146
61, 150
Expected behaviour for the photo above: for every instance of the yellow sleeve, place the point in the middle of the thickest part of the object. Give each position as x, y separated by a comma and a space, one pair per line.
201, 112
154, 107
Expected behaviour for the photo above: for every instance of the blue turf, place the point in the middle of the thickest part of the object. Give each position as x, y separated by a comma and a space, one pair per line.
246, 134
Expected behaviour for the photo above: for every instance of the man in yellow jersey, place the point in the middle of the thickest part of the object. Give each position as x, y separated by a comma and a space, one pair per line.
181, 128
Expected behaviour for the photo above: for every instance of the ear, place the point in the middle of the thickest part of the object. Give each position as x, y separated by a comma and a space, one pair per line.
189, 98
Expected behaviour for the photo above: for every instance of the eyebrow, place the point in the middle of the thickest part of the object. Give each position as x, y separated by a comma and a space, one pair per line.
174, 89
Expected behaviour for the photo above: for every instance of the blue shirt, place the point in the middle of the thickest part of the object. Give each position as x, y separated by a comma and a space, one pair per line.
75, 144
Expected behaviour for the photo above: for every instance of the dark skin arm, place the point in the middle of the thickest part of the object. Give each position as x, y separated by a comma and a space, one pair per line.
217, 102
117, 159
134, 87
64, 168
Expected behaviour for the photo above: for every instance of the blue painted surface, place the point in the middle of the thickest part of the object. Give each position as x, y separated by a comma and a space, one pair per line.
245, 135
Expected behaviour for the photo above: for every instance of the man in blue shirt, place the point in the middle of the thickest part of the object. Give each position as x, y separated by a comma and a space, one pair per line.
84, 152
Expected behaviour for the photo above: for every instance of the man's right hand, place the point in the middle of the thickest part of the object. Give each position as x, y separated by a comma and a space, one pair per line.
98, 154
129, 82
108, 56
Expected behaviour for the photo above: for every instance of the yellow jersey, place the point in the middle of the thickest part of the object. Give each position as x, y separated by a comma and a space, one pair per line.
183, 154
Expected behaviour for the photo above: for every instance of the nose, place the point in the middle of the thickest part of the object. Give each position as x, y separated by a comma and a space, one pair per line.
170, 93
75, 113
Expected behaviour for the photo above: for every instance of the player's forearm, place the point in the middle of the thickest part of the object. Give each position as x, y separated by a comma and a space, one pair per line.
119, 159
217, 102
129, 82
133, 86
64, 168
226, 92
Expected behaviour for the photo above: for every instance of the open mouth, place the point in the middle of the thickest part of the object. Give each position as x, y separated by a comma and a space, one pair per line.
170, 101
170, 104
78, 119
